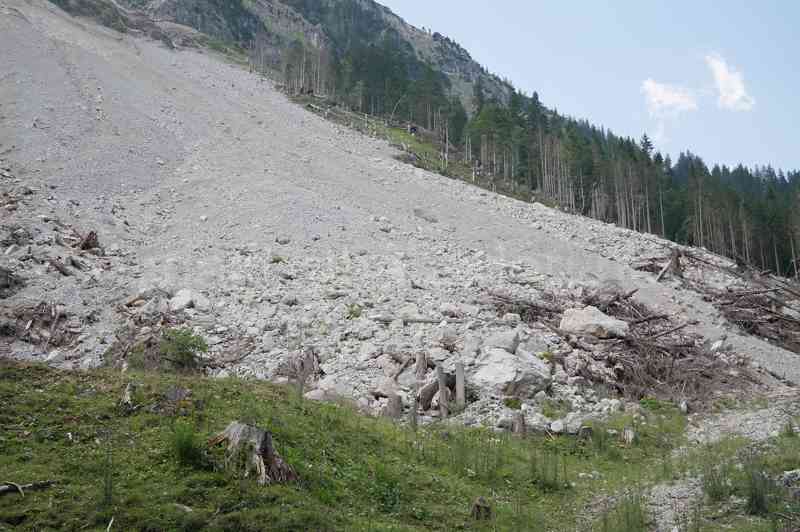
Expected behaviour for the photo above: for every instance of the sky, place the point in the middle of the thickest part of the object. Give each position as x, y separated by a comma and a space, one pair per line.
717, 78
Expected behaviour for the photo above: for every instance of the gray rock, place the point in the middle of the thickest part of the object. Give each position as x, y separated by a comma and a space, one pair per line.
502, 373
591, 321
182, 300
557, 427
507, 340
451, 310
426, 215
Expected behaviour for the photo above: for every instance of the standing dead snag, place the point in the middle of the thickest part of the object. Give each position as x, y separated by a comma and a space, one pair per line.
673, 265
250, 448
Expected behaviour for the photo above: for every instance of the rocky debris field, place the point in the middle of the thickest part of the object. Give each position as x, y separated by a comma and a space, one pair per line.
145, 188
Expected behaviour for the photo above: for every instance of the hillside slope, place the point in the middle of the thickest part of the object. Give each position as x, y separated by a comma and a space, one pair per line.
219, 205
332, 25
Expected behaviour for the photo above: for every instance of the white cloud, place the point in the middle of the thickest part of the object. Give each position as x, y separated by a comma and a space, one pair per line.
730, 85
665, 100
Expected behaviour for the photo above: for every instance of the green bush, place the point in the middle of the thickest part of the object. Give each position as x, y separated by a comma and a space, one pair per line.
629, 515
758, 488
354, 311
186, 445
548, 471
717, 482
513, 403
180, 347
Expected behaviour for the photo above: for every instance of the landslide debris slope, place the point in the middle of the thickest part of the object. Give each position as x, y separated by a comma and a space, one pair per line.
198, 175
146, 186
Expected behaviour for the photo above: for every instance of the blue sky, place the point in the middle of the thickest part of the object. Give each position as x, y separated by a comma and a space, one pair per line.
718, 78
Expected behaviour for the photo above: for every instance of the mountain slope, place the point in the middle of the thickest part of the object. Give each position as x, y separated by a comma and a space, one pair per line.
332, 25
220, 206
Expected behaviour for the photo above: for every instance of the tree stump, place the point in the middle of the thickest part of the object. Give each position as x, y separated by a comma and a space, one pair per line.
421, 366
444, 399
250, 448
481, 511
461, 396
518, 425
426, 394
394, 408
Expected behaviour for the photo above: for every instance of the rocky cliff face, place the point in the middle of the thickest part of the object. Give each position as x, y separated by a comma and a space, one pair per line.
444, 54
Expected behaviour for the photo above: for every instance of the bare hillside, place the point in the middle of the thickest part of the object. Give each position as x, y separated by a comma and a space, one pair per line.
219, 204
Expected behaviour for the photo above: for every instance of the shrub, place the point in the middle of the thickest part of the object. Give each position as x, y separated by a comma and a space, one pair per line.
513, 403
555, 409
758, 488
717, 482
354, 311
186, 444
548, 471
629, 515
180, 347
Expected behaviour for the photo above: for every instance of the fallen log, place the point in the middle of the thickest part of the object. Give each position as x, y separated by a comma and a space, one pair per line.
60, 267
12, 487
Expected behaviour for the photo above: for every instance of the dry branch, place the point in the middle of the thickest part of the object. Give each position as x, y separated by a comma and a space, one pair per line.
12, 487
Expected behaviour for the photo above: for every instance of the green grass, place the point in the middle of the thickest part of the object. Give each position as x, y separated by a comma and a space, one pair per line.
739, 487
357, 473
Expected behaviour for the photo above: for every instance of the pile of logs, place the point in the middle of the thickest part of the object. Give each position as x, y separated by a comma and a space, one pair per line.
656, 358
46, 324
764, 313
763, 304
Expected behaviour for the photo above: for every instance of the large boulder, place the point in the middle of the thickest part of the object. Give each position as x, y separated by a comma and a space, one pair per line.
502, 373
506, 340
590, 321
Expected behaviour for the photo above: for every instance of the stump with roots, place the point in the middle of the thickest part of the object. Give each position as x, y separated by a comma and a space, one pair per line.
249, 452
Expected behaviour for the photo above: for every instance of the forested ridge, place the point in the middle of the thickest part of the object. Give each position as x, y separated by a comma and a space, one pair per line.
749, 214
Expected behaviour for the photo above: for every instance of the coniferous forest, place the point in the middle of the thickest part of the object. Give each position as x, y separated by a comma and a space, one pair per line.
749, 214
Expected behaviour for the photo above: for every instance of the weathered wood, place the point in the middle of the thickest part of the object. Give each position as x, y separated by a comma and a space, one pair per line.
394, 407
444, 407
461, 396
61, 268
412, 413
673, 265
402, 368
421, 367
481, 511
260, 457
90, 241
77, 264
426, 394
126, 405
12, 487
518, 426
